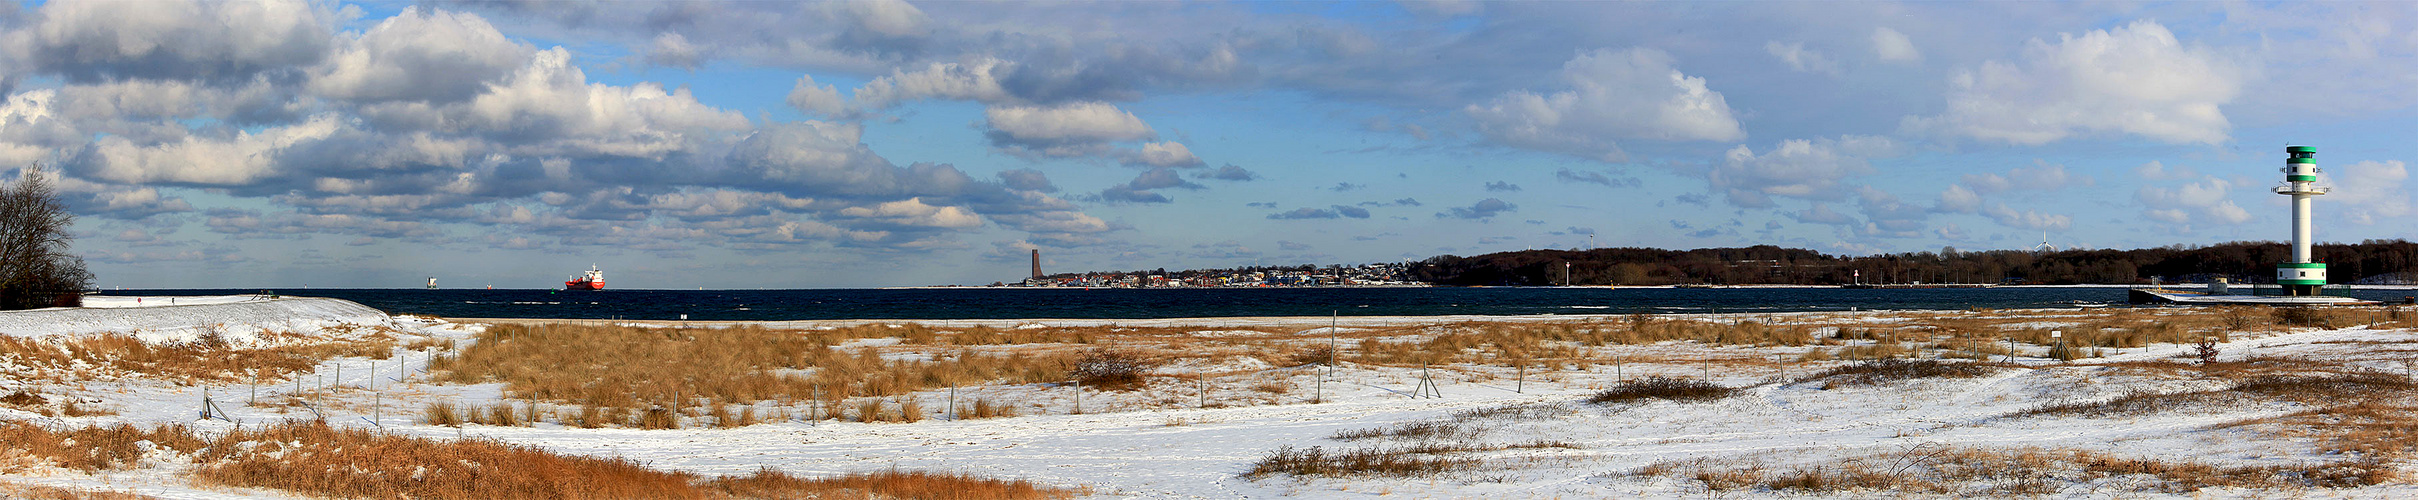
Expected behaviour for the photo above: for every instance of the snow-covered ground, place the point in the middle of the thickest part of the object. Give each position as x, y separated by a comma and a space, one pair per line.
238, 319
1157, 442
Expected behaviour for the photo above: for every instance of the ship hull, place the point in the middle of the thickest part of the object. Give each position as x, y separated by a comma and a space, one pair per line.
583, 285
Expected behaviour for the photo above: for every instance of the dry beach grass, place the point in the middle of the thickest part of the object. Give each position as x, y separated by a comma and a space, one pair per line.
2343, 411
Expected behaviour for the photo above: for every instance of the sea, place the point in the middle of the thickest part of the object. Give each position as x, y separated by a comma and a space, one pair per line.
1110, 303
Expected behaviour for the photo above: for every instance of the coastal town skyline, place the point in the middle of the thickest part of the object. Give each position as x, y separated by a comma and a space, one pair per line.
883, 143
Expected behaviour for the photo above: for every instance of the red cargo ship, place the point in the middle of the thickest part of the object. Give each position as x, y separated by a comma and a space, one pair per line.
594, 280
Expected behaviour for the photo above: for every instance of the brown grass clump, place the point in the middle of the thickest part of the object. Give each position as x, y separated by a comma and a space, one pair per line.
910, 485
1891, 370
442, 413
1664, 388
91, 449
1316, 461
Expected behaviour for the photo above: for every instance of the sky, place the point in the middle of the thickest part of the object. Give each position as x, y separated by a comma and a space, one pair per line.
284, 144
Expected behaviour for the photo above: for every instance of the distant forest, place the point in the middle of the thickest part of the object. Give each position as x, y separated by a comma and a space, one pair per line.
2368, 262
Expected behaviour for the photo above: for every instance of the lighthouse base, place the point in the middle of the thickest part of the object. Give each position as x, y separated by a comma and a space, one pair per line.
2302, 290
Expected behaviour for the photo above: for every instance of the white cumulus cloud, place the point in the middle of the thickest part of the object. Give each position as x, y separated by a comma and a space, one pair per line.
1797, 168
1613, 94
2136, 79
1890, 45
2204, 200
1802, 59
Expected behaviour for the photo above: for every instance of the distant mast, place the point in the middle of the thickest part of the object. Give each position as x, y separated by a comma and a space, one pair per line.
2302, 276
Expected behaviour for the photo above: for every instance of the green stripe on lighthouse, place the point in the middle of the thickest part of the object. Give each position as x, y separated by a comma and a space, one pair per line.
2300, 178
2311, 161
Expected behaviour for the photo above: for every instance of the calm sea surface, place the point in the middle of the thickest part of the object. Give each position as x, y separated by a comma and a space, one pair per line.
976, 303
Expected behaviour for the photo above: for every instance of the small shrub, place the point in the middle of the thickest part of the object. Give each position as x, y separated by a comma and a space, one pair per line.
441, 413
657, 417
1316, 461
1110, 370
869, 410
1665, 388
1888, 370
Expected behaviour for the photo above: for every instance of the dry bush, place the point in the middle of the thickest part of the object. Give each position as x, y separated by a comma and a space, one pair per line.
1664, 388
1891, 370
442, 413
911, 485
657, 417
1316, 461
93, 449
1111, 369
870, 410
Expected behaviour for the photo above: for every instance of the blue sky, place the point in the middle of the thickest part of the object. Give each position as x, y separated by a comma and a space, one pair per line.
802, 145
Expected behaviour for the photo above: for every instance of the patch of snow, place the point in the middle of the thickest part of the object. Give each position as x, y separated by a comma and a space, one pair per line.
239, 322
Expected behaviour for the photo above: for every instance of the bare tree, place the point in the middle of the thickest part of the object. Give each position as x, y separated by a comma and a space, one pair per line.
35, 268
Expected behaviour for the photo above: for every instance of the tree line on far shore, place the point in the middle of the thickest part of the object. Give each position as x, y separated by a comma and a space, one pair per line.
2368, 262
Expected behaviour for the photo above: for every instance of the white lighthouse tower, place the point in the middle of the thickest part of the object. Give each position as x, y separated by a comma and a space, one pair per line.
2301, 276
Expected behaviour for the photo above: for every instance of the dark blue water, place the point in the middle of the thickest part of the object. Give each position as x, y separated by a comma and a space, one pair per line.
977, 303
